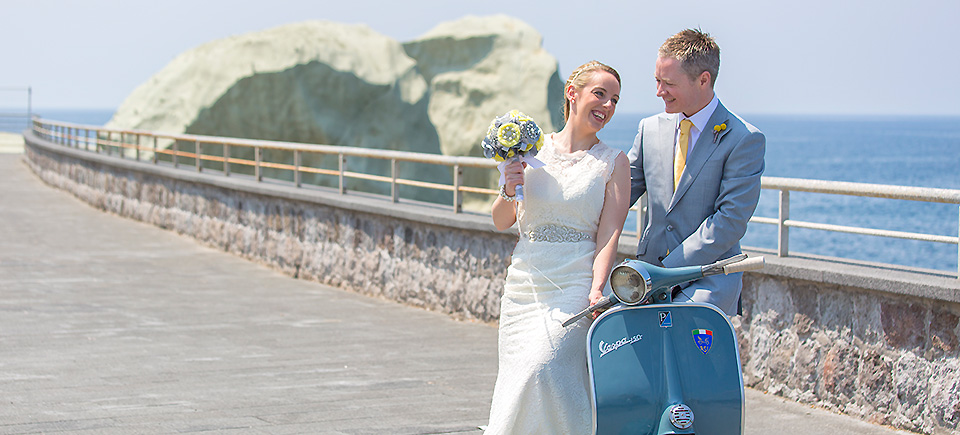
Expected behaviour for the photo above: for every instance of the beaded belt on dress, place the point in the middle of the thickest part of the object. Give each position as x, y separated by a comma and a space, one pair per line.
556, 234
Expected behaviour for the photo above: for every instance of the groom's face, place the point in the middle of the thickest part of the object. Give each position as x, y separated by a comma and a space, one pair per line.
680, 92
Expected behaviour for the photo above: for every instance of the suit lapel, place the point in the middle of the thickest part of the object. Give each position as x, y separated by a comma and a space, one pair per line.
701, 152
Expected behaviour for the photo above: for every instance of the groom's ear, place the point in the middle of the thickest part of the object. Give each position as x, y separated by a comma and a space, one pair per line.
704, 79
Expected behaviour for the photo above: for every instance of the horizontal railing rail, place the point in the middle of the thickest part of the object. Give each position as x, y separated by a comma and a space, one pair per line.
122, 143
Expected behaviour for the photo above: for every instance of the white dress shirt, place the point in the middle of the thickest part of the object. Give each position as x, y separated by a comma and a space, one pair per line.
699, 121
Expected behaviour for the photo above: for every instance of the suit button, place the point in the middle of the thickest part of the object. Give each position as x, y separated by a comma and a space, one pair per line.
669, 227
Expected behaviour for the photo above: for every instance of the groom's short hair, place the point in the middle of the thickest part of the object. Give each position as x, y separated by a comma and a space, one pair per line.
696, 51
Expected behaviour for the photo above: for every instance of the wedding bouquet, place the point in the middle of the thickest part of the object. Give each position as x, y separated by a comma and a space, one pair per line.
513, 136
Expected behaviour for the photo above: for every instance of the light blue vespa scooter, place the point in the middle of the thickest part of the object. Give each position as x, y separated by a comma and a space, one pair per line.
662, 368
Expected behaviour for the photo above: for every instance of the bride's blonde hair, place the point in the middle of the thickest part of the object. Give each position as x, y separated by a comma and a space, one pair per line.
578, 79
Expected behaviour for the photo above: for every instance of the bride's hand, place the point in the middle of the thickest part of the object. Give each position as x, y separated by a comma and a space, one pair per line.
513, 175
595, 297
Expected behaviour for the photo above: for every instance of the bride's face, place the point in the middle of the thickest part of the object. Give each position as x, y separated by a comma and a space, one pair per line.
594, 104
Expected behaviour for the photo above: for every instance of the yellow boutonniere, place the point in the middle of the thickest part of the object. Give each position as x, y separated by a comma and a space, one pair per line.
717, 129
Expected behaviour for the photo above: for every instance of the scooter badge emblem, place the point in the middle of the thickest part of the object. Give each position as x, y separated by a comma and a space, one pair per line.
665, 320
703, 339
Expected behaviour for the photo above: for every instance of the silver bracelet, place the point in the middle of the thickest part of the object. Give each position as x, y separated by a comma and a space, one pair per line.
503, 194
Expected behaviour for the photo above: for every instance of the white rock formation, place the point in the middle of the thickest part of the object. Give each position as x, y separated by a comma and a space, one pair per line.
482, 67
329, 83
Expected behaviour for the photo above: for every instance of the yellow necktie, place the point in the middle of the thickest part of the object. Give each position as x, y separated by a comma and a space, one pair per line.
680, 160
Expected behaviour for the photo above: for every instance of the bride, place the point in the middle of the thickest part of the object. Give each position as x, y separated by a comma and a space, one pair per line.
569, 222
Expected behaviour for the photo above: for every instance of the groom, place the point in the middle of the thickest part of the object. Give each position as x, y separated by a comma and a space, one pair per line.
700, 166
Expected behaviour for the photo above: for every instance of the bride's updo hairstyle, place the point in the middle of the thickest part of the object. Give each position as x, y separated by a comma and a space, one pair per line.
578, 79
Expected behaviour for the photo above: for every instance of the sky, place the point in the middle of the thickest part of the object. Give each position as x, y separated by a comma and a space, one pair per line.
818, 57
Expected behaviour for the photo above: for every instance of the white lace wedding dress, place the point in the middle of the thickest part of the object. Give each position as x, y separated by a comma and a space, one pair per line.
542, 385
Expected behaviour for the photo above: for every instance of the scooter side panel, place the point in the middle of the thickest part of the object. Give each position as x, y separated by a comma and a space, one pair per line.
635, 375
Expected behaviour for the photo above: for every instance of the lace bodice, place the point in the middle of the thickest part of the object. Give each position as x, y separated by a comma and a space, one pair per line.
569, 190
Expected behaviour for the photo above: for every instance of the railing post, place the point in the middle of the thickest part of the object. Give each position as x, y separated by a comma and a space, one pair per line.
256, 167
226, 160
198, 149
138, 147
342, 165
176, 152
86, 140
156, 158
783, 231
296, 167
394, 189
457, 197
120, 148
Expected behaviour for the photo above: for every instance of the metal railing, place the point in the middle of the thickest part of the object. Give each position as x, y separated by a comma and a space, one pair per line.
786, 185
125, 142
137, 144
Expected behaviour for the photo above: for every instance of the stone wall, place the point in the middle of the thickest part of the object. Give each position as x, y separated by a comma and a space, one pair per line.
887, 358
862, 339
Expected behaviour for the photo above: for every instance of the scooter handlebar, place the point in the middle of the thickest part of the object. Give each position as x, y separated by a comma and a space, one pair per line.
665, 276
753, 263
604, 303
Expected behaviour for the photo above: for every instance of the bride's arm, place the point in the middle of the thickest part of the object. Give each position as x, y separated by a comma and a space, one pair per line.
616, 203
505, 212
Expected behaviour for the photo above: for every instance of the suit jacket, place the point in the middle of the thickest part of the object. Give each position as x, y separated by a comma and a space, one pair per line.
704, 220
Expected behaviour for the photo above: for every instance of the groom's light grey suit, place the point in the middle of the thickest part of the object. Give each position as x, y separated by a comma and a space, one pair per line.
704, 220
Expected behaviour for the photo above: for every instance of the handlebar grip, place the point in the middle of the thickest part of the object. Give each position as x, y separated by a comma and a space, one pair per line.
604, 302
753, 263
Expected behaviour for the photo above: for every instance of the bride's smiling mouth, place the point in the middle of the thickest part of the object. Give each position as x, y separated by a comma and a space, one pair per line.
599, 115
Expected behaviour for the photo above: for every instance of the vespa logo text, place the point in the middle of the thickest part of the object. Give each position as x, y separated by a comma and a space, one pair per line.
606, 348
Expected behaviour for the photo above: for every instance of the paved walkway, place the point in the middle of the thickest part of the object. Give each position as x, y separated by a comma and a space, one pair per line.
111, 326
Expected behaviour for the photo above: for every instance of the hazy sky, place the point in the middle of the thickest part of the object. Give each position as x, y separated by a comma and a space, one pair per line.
804, 57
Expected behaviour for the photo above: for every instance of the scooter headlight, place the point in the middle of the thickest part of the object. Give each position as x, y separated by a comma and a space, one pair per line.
630, 283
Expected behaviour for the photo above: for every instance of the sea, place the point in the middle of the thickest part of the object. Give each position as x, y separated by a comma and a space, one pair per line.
903, 151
